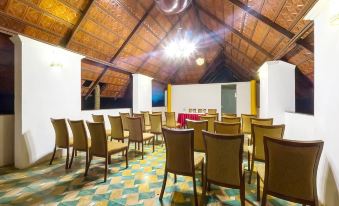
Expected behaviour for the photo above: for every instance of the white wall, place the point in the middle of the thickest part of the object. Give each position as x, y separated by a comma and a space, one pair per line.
42, 92
208, 96
142, 93
277, 90
326, 95
6, 140
299, 126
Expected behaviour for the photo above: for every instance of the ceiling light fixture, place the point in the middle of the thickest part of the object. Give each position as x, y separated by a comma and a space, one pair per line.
180, 48
200, 61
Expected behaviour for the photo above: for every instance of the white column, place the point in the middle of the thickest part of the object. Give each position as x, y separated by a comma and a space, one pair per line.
47, 85
277, 90
142, 93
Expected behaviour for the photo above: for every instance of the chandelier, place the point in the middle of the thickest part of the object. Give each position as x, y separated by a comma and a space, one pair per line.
172, 6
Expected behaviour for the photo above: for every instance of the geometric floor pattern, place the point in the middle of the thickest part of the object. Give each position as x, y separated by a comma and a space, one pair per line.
139, 184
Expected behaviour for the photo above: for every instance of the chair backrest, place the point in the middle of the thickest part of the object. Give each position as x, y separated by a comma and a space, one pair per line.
124, 120
224, 156
179, 150
231, 120
268, 121
258, 133
135, 128
229, 115
170, 120
198, 126
98, 138
98, 118
80, 139
200, 110
227, 128
157, 113
146, 117
190, 110
246, 123
61, 132
295, 178
156, 123
142, 116
212, 111
210, 119
116, 126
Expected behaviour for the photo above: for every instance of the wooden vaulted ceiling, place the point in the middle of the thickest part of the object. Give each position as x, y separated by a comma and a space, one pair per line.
119, 37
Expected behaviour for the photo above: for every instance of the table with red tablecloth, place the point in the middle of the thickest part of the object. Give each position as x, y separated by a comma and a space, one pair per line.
183, 116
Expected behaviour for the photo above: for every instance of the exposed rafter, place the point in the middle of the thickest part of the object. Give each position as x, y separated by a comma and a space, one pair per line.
231, 29
293, 41
121, 48
79, 23
270, 23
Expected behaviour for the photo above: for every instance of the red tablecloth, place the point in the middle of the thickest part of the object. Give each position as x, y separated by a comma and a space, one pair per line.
183, 116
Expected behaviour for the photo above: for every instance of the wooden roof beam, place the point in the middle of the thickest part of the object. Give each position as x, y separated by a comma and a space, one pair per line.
231, 29
79, 23
270, 23
121, 48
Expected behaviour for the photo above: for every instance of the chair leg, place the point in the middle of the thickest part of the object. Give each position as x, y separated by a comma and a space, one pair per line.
251, 171
126, 156
209, 186
142, 150
106, 168
76, 153
87, 160
163, 185
109, 159
204, 189
258, 187
138, 146
67, 158
175, 178
88, 164
264, 197
153, 143
195, 191
242, 193
202, 174
50, 163
73, 153
248, 161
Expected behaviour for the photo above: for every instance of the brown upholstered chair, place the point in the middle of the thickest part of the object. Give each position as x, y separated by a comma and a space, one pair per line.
137, 135
190, 110
156, 126
256, 151
293, 180
259, 121
170, 120
212, 111
224, 155
100, 147
180, 156
62, 138
230, 120
210, 119
229, 115
246, 123
198, 127
145, 128
124, 120
117, 131
200, 110
81, 141
146, 116
227, 128
101, 118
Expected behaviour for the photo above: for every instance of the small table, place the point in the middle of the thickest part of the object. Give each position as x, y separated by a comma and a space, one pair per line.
183, 116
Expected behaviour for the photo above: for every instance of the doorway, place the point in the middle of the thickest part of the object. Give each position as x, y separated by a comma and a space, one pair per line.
229, 99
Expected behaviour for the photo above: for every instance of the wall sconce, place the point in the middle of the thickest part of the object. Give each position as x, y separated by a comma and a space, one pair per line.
56, 60
335, 20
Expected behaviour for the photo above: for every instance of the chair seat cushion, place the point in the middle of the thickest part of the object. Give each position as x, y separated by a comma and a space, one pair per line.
114, 147
126, 134
108, 132
198, 158
147, 136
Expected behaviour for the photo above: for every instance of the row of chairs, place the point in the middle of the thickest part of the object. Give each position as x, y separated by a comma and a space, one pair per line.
289, 173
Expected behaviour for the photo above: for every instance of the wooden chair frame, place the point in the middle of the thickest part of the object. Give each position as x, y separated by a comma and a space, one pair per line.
207, 181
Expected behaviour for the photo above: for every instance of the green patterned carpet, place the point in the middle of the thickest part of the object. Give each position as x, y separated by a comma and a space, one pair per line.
140, 184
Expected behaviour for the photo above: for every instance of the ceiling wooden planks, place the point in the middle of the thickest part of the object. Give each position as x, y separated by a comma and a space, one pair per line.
247, 33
